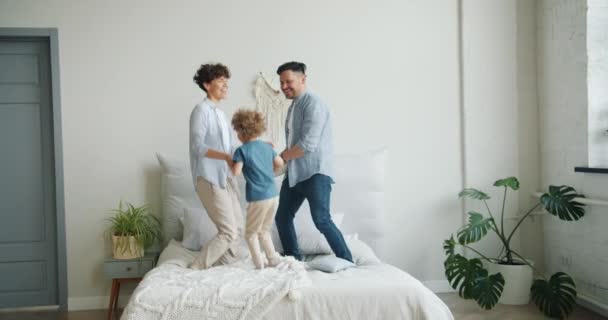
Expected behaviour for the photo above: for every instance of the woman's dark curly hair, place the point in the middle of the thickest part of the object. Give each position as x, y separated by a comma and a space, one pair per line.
209, 72
249, 123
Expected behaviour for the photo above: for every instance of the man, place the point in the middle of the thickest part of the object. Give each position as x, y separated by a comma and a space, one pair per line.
309, 158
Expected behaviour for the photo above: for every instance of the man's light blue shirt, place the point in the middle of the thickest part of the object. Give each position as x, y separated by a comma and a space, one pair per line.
209, 130
312, 132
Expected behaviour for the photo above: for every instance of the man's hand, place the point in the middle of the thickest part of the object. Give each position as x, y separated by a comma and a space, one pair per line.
293, 153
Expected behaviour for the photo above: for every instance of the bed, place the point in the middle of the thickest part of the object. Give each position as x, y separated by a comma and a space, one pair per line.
370, 290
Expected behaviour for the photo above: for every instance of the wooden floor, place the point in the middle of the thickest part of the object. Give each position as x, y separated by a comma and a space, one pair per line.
462, 310
468, 310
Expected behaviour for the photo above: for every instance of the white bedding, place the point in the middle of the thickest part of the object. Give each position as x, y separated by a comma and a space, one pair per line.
378, 291
375, 291
231, 292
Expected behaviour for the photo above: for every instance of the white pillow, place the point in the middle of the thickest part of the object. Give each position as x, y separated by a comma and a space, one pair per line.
360, 192
176, 254
198, 228
310, 240
362, 253
330, 263
177, 193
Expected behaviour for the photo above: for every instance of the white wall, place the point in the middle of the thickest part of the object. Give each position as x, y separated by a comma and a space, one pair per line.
578, 248
389, 71
531, 232
500, 110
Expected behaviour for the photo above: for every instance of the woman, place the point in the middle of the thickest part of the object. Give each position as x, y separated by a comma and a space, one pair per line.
211, 141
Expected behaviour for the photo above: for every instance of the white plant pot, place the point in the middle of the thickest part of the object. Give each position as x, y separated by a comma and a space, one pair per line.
518, 281
126, 248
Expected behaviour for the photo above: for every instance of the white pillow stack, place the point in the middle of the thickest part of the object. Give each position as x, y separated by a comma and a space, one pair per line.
199, 229
359, 192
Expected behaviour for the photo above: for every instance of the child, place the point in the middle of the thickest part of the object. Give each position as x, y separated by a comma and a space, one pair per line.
257, 160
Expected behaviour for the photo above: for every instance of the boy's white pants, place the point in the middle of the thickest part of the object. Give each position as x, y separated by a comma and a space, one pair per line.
260, 217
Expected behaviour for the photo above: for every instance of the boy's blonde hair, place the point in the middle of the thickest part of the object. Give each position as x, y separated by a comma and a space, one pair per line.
249, 123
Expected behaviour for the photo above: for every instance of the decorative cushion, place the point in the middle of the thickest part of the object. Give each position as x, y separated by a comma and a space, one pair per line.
198, 228
176, 254
330, 263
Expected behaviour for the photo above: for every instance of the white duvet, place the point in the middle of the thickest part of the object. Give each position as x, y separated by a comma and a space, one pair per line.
378, 291
231, 292
374, 291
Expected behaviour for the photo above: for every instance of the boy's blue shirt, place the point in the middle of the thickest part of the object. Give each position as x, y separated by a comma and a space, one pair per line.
257, 158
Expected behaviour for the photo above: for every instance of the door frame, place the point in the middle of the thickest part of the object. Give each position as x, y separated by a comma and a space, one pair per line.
51, 34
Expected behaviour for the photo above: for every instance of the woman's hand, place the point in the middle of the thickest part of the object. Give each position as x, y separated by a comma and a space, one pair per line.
228, 159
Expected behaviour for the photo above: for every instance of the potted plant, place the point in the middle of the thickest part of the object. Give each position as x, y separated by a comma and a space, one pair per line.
487, 282
133, 229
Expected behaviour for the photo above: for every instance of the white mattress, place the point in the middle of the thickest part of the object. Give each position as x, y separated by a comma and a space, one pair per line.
374, 291
378, 291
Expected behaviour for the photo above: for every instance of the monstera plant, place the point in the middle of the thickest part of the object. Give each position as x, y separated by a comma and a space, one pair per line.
471, 277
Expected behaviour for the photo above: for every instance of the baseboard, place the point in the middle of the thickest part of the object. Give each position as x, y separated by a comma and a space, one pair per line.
438, 286
30, 309
95, 303
592, 304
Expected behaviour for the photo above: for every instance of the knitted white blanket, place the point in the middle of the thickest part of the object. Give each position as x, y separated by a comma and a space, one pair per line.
228, 292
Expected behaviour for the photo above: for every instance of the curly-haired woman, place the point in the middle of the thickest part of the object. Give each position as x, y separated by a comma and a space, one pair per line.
211, 143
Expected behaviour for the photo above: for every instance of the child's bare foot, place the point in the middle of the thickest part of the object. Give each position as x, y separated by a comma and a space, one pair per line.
274, 261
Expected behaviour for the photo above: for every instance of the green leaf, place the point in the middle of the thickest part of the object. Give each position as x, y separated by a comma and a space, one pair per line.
488, 290
448, 246
462, 274
559, 201
555, 298
510, 182
138, 222
474, 194
476, 229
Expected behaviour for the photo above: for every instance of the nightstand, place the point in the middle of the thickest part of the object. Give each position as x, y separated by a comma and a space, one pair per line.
121, 271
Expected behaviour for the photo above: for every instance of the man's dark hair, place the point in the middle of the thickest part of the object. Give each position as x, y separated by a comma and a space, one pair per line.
293, 66
209, 72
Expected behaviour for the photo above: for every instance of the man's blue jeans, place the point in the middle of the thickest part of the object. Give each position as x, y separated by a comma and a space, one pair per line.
317, 190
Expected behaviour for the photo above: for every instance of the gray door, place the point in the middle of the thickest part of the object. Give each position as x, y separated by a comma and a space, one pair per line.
28, 259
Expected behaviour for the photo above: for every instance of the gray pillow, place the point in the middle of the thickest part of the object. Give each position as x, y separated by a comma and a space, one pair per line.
198, 228
330, 263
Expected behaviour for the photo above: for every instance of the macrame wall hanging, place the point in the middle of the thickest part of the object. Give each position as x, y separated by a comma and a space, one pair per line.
272, 103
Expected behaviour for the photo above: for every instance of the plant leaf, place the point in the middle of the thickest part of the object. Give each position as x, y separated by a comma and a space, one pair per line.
448, 246
476, 229
555, 298
559, 201
488, 290
510, 182
463, 274
138, 222
473, 194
